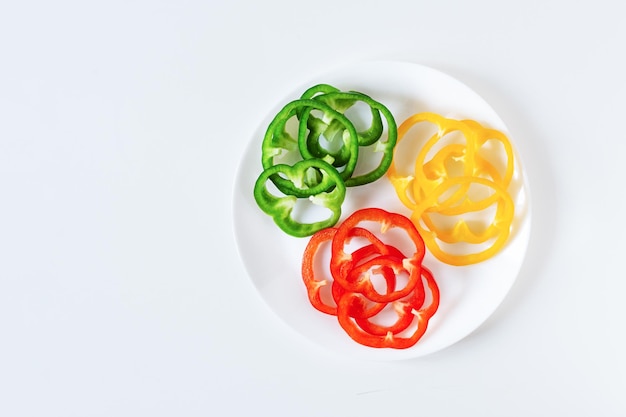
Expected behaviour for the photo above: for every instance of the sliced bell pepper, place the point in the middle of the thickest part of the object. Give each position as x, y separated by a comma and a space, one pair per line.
309, 276
354, 298
341, 102
368, 307
360, 277
340, 260
283, 147
485, 135
330, 193
378, 336
314, 285
495, 235
310, 146
421, 183
277, 140
403, 310
433, 191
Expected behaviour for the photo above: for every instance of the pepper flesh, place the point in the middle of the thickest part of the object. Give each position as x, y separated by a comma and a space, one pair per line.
390, 339
309, 145
281, 149
341, 260
498, 231
354, 299
330, 193
277, 139
315, 285
438, 197
341, 102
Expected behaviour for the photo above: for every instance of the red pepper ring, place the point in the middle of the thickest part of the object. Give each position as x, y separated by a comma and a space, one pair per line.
360, 276
362, 308
368, 308
365, 253
404, 310
362, 313
314, 285
389, 339
341, 263
405, 318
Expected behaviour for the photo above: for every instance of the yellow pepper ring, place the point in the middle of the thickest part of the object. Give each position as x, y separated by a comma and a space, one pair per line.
433, 189
424, 185
485, 135
404, 184
452, 235
436, 172
458, 202
460, 232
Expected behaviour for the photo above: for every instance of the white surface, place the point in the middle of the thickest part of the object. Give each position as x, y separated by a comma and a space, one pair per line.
468, 294
121, 127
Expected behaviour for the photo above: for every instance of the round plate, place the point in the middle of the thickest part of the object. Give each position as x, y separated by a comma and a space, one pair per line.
469, 294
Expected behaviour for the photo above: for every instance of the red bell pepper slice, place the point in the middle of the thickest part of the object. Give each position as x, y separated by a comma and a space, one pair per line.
374, 337
360, 276
361, 309
314, 285
342, 261
367, 307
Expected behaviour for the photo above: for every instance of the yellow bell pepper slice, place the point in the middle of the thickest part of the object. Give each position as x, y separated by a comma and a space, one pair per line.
489, 240
441, 190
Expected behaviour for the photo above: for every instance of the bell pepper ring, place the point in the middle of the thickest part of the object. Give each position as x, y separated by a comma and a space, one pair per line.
361, 308
390, 339
403, 309
372, 136
329, 193
485, 135
358, 256
342, 263
423, 184
277, 140
314, 285
435, 169
310, 133
360, 277
459, 202
341, 102
386, 220
498, 230
324, 126
434, 191
369, 307
310, 146
281, 146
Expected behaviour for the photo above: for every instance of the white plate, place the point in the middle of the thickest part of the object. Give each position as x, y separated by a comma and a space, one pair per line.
469, 295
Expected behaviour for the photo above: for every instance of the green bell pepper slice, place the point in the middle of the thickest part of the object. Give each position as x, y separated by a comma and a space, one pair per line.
341, 102
311, 147
278, 140
328, 192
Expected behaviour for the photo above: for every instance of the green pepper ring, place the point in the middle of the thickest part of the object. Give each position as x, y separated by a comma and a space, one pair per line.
330, 193
310, 147
341, 102
273, 142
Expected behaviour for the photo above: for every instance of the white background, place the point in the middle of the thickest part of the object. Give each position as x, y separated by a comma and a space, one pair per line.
121, 127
